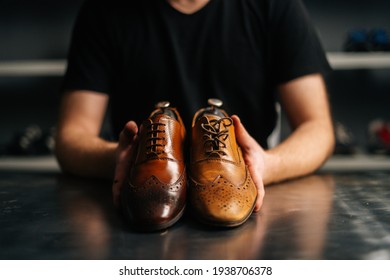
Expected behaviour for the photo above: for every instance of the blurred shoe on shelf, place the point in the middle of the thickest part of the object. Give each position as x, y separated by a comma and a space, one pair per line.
367, 40
31, 141
345, 140
379, 40
378, 137
357, 40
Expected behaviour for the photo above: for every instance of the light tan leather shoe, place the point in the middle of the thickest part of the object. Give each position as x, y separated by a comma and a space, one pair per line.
221, 190
155, 195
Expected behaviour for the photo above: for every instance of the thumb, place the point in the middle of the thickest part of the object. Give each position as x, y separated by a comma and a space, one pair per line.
244, 139
248, 144
128, 134
127, 138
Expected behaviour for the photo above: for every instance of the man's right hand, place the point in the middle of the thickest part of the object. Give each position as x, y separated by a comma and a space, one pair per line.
124, 152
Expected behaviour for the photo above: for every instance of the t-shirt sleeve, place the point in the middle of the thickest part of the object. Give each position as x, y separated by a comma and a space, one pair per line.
294, 45
90, 61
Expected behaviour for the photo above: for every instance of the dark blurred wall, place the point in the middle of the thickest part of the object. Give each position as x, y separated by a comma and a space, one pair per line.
36, 29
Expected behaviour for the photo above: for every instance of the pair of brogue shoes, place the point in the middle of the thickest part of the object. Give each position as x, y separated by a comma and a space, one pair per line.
217, 185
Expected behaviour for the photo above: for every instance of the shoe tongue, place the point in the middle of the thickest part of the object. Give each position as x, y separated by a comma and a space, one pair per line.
166, 112
157, 118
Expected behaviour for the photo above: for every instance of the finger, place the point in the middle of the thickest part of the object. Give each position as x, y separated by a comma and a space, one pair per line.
246, 141
127, 139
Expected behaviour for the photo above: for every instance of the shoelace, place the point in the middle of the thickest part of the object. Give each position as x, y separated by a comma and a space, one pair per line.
155, 139
215, 137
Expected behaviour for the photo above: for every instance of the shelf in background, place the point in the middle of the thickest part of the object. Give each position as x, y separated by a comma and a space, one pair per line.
358, 162
31, 164
56, 67
370, 60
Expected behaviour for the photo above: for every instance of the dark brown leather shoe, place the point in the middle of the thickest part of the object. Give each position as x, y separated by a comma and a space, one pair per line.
155, 195
221, 190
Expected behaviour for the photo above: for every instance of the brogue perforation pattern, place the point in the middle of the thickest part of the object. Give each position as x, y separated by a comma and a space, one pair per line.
223, 194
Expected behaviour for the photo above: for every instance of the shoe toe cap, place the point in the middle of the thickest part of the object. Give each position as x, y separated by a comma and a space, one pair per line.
223, 202
154, 205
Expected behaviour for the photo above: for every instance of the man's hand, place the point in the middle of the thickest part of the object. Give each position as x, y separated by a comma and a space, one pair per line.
124, 151
253, 155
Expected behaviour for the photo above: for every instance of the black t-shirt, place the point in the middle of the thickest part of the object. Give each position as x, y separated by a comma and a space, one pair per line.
145, 51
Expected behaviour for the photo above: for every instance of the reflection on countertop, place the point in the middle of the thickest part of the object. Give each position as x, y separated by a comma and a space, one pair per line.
321, 216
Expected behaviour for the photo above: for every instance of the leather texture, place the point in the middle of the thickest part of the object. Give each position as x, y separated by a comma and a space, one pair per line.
155, 196
221, 190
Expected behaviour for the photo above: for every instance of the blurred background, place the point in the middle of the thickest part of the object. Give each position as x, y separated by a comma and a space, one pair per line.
35, 35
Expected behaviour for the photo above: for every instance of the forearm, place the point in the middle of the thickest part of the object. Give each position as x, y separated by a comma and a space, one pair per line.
85, 155
304, 151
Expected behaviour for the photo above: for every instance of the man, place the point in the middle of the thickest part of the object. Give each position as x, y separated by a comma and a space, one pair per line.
248, 53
